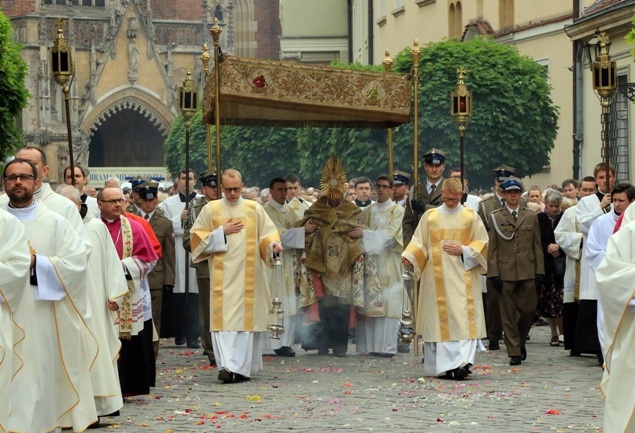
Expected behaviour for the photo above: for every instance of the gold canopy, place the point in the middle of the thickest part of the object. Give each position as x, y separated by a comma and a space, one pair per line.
255, 92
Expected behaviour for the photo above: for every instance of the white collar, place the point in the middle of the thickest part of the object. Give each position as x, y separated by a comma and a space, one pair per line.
25, 213
385, 205
277, 206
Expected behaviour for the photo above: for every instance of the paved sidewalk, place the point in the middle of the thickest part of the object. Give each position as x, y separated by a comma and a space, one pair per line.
550, 392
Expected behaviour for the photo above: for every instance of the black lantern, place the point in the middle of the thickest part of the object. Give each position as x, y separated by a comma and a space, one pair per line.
461, 110
188, 97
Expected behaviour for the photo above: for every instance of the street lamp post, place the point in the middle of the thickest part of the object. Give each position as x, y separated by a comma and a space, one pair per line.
461, 109
188, 101
62, 71
604, 76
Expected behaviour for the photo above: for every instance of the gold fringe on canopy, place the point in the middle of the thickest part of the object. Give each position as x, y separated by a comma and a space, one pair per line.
254, 92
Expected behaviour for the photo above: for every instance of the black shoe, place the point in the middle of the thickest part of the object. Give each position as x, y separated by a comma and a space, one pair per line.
574, 353
515, 360
241, 378
493, 345
193, 344
600, 358
385, 355
285, 351
179, 341
523, 353
96, 424
339, 354
403, 348
460, 373
226, 376
323, 352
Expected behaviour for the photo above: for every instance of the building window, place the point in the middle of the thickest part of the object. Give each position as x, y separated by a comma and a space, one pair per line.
506, 13
54, 2
455, 20
218, 13
96, 3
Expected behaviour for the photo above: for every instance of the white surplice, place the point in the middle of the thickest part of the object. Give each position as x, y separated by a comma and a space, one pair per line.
15, 263
105, 282
594, 252
282, 281
173, 207
570, 240
384, 240
59, 346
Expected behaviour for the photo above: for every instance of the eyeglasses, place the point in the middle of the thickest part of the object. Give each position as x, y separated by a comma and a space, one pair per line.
22, 177
114, 201
232, 190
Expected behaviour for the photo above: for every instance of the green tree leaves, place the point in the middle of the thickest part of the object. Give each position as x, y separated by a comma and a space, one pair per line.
13, 70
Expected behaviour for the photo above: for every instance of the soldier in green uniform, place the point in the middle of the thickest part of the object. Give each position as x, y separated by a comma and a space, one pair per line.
428, 192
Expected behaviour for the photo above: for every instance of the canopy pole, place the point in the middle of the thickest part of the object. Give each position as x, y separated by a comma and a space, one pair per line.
216, 30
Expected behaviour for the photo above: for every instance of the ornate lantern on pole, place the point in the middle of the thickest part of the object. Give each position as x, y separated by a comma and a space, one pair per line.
216, 31
276, 329
188, 103
461, 109
604, 76
62, 70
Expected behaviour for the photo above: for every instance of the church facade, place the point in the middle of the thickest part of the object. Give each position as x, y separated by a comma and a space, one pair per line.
130, 58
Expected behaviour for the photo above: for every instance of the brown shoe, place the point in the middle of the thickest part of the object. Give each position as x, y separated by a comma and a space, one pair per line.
226, 376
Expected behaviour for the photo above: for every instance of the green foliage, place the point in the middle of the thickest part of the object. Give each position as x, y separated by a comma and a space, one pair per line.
514, 122
14, 98
630, 36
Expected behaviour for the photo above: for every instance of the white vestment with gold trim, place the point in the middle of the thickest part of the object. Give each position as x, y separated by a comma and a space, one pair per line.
239, 295
450, 314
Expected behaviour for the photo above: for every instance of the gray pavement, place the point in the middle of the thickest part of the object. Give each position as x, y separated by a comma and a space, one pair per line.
550, 392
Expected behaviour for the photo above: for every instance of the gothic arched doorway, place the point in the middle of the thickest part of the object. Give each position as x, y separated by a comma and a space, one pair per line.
126, 138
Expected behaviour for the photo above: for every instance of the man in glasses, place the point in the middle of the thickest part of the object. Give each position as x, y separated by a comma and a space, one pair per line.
383, 239
237, 239
43, 192
58, 347
138, 257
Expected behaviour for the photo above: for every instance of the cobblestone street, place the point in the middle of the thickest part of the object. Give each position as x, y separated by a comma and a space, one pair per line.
550, 392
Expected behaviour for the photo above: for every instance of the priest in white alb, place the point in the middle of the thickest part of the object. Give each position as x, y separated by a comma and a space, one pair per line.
282, 278
238, 240
615, 277
15, 261
105, 283
378, 335
53, 389
449, 253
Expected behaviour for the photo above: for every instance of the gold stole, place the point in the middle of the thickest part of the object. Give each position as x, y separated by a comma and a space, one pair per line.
125, 310
250, 221
437, 235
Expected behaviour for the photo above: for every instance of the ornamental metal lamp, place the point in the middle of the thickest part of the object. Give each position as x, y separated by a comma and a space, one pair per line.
188, 102
461, 109
604, 76
63, 71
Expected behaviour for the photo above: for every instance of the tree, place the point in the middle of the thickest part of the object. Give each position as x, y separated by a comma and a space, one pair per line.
514, 120
13, 71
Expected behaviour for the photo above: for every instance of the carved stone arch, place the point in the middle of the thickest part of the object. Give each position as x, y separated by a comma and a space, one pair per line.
127, 128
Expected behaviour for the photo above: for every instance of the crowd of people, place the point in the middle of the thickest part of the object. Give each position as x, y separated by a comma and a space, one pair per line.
241, 271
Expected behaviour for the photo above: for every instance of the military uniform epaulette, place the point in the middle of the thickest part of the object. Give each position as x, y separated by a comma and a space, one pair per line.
500, 209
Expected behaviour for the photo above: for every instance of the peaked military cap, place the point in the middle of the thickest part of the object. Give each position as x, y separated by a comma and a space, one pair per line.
401, 177
148, 190
502, 172
138, 182
512, 183
208, 179
434, 156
